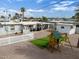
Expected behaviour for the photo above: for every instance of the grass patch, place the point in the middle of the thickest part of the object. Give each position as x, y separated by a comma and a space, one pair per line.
42, 42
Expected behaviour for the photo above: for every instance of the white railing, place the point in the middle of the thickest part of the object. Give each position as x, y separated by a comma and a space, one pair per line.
16, 39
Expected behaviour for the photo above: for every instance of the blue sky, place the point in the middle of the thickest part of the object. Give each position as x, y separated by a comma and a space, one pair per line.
38, 8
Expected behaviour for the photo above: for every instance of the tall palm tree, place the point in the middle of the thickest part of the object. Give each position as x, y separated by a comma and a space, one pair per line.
45, 19
22, 10
2, 17
16, 16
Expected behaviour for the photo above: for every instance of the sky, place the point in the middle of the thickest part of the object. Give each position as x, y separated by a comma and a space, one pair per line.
39, 8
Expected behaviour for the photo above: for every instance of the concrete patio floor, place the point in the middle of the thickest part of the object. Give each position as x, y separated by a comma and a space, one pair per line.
26, 50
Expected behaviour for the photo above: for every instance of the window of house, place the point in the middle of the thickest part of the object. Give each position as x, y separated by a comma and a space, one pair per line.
62, 27
71, 27
1, 26
77, 25
30, 25
12, 27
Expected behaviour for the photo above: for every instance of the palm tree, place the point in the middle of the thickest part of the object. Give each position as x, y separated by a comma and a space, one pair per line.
16, 16
2, 17
22, 10
45, 19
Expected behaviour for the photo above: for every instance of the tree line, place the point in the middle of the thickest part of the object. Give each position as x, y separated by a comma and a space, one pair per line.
21, 17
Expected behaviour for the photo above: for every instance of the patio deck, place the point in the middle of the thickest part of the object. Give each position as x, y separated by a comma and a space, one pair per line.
26, 50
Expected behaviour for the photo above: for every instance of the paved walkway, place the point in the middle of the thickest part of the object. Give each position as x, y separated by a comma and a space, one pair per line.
26, 50
40, 34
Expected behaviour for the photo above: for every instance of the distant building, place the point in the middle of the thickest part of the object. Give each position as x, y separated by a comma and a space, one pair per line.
21, 27
69, 27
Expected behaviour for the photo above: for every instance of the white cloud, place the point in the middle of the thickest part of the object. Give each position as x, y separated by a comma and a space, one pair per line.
71, 8
60, 8
33, 10
52, 2
3, 11
19, 0
10, 1
64, 3
13, 11
2, 8
39, 1
69, 2
64, 6
28, 14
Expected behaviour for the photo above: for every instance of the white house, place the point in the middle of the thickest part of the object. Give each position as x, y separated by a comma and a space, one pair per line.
9, 28
69, 27
21, 27
35, 25
77, 28
26, 27
66, 28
